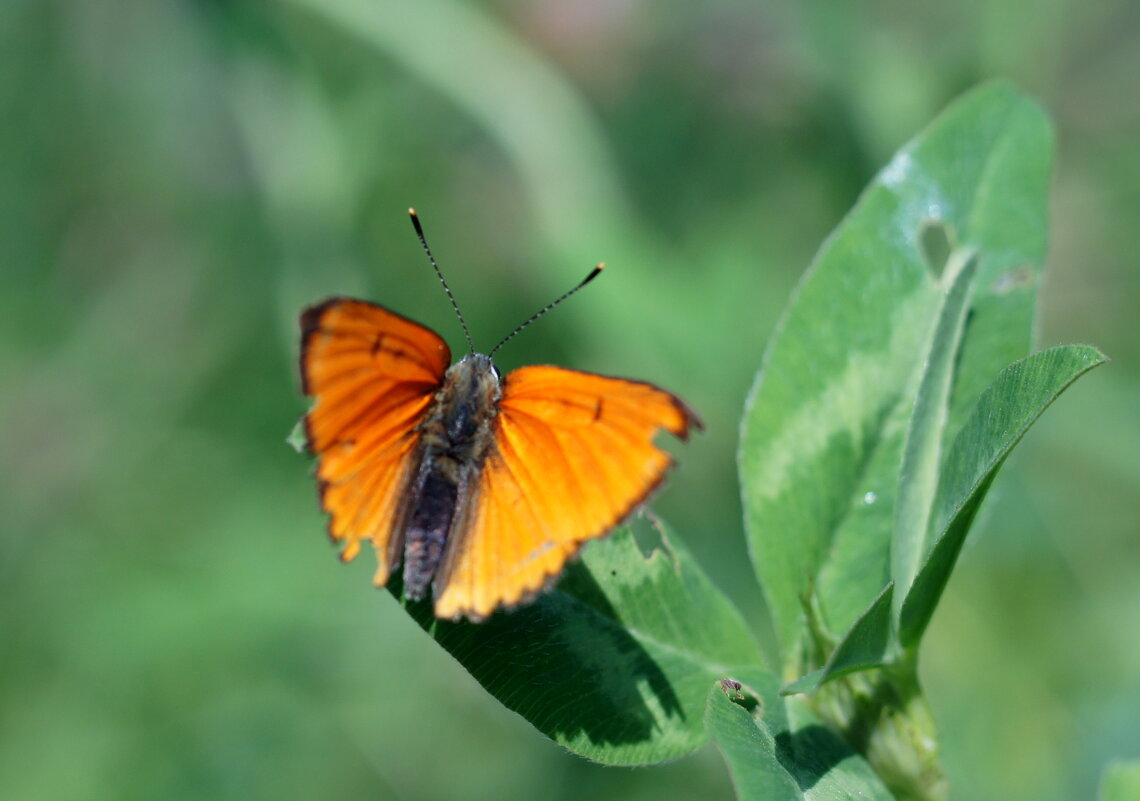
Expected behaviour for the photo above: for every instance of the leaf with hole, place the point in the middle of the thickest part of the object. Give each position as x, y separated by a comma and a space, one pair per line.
826, 422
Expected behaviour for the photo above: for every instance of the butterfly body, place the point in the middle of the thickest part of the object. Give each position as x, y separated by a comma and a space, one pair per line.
482, 486
455, 437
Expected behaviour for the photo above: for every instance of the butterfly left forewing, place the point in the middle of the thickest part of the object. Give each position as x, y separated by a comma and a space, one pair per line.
573, 456
372, 374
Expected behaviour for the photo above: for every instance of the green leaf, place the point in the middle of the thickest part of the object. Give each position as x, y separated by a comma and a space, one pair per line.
922, 454
777, 751
1120, 782
748, 746
1001, 417
867, 644
614, 662
826, 421
1002, 202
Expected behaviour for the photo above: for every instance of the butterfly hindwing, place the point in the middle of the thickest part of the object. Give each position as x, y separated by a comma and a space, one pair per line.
573, 456
372, 374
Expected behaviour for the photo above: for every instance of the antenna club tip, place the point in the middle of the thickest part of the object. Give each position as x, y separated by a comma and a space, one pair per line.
420, 231
601, 266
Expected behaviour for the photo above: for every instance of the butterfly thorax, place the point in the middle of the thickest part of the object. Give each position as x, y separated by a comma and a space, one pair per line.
455, 436
463, 408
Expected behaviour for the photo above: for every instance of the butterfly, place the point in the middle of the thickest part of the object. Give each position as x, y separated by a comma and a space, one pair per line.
481, 485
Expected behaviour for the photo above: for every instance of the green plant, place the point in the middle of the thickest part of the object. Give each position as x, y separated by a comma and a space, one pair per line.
895, 387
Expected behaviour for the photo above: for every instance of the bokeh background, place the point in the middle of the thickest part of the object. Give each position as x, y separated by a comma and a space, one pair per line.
178, 179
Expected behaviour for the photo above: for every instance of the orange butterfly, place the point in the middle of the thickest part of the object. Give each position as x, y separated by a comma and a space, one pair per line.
483, 486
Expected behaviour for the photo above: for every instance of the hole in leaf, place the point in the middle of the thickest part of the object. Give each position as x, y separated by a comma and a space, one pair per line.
937, 242
1019, 278
646, 535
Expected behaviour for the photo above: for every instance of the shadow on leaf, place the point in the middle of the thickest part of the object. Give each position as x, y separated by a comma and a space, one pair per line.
810, 753
564, 662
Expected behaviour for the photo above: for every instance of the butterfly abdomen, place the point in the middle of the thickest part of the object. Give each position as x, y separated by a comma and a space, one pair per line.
427, 531
455, 436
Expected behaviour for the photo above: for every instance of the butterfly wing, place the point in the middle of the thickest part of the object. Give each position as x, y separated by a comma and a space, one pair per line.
373, 374
573, 456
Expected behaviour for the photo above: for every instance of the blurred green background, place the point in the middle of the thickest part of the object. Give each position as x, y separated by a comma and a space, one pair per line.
178, 179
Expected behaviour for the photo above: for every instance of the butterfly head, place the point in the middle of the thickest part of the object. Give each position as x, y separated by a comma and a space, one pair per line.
475, 372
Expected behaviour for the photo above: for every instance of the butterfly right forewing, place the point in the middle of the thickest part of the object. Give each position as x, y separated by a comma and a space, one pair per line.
573, 455
372, 374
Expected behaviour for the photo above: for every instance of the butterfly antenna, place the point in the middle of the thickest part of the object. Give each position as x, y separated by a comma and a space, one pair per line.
439, 275
593, 274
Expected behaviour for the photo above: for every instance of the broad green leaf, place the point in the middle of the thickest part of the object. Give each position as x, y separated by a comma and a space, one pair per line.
1120, 782
615, 662
922, 454
1001, 417
867, 644
825, 423
777, 751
